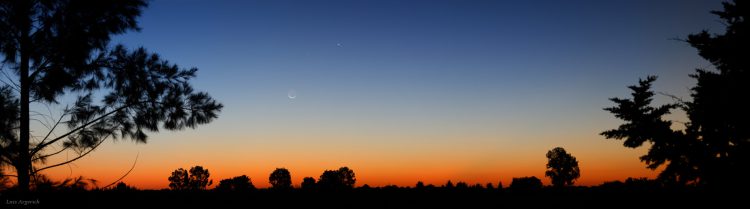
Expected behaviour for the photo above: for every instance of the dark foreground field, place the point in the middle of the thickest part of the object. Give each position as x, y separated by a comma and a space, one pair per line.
378, 198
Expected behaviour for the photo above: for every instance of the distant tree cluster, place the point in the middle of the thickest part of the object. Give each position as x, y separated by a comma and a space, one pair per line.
196, 179
526, 184
341, 179
236, 184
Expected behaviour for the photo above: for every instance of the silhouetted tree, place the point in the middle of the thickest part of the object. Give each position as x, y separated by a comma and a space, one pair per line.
237, 183
489, 186
646, 123
526, 184
196, 179
420, 185
343, 178
199, 178
448, 185
347, 176
61, 47
562, 168
179, 180
461, 185
280, 179
714, 147
308, 183
720, 108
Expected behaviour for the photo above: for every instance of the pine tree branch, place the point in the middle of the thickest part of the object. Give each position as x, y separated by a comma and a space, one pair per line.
53, 128
74, 159
43, 145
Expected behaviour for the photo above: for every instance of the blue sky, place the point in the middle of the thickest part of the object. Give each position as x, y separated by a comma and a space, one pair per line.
438, 75
424, 57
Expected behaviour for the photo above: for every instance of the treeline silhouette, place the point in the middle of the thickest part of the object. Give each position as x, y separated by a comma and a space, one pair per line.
562, 169
191, 188
334, 189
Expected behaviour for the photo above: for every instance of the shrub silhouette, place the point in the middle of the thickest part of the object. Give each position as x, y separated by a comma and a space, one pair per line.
526, 184
196, 179
237, 183
562, 167
280, 179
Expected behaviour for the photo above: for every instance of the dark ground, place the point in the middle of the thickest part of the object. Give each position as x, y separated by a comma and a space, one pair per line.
379, 198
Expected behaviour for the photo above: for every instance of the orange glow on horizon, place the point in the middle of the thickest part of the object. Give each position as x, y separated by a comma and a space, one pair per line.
373, 165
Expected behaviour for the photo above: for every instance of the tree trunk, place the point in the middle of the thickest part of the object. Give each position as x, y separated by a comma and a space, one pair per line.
23, 163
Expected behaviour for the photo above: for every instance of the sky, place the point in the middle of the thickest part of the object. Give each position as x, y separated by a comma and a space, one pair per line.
406, 91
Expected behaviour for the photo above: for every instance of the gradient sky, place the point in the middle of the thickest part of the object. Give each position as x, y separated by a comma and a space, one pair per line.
402, 91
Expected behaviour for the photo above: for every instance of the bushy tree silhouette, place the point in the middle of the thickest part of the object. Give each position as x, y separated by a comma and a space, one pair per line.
526, 184
340, 179
237, 183
420, 185
280, 179
61, 47
179, 180
199, 178
562, 168
714, 148
196, 179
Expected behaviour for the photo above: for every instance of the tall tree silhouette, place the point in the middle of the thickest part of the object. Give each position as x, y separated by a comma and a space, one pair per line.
562, 167
720, 108
280, 179
61, 47
713, 149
